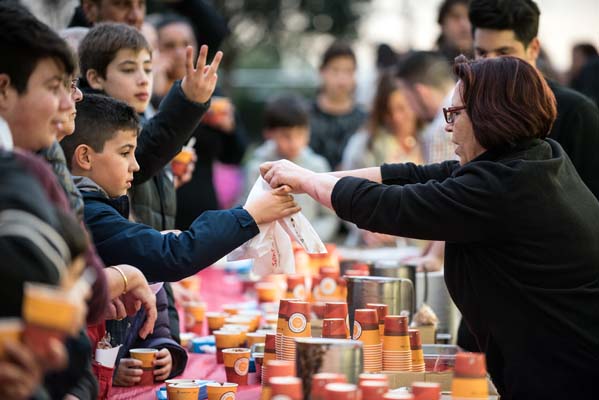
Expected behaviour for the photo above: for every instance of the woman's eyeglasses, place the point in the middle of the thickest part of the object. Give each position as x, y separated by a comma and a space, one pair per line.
450, 112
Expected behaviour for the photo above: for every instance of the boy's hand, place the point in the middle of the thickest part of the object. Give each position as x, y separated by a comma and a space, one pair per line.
163, 364
272, 206
128, 372
199, 82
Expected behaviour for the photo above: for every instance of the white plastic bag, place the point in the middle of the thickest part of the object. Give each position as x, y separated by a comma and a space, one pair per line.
271, 249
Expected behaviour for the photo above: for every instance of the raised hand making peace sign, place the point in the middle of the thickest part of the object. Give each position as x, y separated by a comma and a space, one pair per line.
199, 82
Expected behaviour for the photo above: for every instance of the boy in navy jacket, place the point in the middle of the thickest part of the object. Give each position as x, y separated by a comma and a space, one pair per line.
100, 154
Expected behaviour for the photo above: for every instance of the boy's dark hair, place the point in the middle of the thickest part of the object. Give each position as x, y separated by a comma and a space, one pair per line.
98, 119
520, 16
285, 111
171, 18
587, 49
446, 7
24, 42
336, 50
424, 67
101, 44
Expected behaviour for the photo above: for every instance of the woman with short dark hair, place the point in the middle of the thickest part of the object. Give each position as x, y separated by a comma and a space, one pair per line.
521, 260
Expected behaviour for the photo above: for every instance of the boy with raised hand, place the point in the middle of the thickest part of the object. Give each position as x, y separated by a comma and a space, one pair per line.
116, 60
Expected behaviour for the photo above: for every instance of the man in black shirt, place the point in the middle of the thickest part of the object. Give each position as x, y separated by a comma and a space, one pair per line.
502, 28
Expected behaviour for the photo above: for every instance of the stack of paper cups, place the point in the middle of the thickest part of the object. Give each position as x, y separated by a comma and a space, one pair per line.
366, 330
381, 310
337, 309
275, 368
397, 355
298, 325
417, 353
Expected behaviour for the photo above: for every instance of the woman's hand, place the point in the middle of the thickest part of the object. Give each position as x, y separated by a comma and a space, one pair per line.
163, 364
273, 205
128, 372
284, 172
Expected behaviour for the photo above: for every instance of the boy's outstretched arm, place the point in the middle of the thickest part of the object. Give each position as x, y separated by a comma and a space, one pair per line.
172, 257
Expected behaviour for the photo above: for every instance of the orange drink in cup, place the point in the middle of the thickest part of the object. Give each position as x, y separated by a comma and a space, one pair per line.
221, 391
195, 312
11, 330
146, 356
237, 365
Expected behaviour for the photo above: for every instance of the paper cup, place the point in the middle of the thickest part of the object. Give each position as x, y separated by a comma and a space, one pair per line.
146, 356
181, 161
183, 391
237, 365
470, 365
50, 307
266, 292
341, 391
215, 320
221, 391
107, 357
426, 390
225, 340
11, 330
373, 390
286, 387
194, 317
334, 328
320, 380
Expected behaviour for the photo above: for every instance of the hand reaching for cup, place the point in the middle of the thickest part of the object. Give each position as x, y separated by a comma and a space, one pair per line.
271, 206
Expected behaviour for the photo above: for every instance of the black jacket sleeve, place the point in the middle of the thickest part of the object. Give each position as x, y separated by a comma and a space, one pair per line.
458, 209
163, 136
408, 173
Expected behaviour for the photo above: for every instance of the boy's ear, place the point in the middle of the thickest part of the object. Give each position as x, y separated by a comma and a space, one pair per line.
82, 157
94, 79
5, 87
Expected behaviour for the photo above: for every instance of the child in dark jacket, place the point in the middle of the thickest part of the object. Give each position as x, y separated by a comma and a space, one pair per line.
100, 154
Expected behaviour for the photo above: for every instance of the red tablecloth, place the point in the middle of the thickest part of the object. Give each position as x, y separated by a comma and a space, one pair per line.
217, 288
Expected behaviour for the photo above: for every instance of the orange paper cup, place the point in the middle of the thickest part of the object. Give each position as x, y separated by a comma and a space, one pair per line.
426, 390
146, 356
286, 387
221, 391
183, 391
194, 316
225, 340
216, 320
237, 365
320, 380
